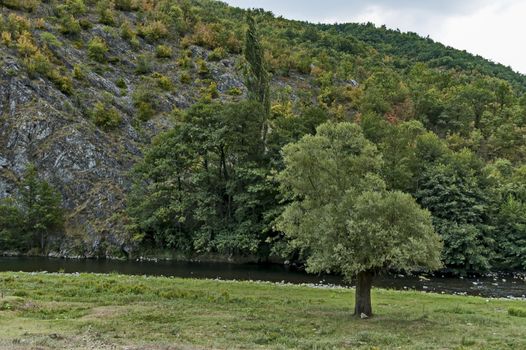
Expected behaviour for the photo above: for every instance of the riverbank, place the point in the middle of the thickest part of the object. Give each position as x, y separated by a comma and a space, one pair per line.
155, 256
80, 311
491, 285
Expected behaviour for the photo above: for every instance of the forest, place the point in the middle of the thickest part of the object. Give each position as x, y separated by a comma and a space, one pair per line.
433, 131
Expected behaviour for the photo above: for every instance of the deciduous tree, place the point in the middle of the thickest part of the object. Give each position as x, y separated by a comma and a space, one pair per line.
341, 216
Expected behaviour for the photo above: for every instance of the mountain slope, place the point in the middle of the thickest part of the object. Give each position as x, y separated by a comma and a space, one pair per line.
410, 47
85, 85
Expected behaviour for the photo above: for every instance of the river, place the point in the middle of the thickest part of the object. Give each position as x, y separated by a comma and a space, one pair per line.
497, 285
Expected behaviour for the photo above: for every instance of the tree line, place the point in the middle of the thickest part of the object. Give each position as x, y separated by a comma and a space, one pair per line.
212, 183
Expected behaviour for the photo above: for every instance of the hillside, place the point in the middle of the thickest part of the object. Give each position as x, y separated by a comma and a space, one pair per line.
408, 48
54, 127
86, 85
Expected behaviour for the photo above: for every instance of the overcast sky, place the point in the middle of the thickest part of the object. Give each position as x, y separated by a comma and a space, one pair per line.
493, 29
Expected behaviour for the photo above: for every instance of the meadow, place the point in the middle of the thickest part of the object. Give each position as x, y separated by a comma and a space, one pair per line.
91, 311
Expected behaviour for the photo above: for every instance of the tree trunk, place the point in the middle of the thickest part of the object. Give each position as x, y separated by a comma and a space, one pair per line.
364, 282
42, 242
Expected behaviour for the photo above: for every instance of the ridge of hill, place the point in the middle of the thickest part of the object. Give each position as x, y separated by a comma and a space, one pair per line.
409, 47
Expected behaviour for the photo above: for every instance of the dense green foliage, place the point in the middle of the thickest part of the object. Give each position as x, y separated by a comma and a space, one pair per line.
449, 126
340, 214
342, 218
34, 217
407, 48
203, 186
438, 133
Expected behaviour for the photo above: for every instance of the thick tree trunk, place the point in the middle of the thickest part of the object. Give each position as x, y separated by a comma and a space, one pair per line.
364, 282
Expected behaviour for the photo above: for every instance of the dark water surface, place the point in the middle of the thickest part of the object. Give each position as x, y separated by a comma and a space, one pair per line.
489, 286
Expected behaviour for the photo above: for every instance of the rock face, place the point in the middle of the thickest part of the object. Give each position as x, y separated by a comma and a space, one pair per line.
39, 124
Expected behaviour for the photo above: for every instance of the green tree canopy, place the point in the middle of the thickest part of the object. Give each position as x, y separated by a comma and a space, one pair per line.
33, 216
342, 217
203, 185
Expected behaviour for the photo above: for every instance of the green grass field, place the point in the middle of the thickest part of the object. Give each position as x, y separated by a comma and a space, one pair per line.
87, 311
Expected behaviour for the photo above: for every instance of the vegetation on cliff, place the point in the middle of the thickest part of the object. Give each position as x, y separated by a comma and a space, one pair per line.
203, 110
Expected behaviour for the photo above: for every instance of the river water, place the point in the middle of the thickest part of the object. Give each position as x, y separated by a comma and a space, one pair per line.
497, 285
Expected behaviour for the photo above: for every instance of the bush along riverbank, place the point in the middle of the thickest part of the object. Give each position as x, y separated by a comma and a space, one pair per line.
79, 311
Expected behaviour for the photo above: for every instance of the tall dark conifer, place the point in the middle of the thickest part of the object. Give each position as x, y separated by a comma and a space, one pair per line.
257, 77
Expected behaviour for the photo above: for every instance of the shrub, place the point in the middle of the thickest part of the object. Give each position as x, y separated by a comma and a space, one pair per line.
210, 92
186, 41
68, 25
121, 84
6, 38
39, 23
62, 81
202, 68
164, 83
79, 72
186, 78
135, 43
85, 23
517, 312
123, 5
163, 51
234, 91
212, 89
153, 31
25, 45
76, 7
233, 44
17, 24
50, 40
217, 55
106, 12
97, 49
145, 111
38, 64
105, 116
23, 5
144, 64
205, 35
176, 19
184, 62
127, 32
143, 100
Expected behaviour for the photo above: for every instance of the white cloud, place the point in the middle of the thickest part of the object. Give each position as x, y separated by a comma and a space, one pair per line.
495, 32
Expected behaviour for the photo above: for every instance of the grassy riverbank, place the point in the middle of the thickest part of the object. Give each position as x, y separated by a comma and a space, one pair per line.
60, 311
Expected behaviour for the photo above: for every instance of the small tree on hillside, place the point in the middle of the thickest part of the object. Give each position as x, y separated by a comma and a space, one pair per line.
41, 207
342, 218
11, 226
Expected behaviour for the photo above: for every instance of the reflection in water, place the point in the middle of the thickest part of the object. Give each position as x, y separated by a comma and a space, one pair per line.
494, 286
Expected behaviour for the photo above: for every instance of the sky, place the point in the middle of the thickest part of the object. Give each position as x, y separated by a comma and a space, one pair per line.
494, 29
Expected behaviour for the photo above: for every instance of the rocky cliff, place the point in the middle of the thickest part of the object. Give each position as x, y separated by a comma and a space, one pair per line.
54, 129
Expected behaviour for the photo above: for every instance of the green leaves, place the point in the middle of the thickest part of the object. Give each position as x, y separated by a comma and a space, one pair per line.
341, 217
203, 185
455, 197
35, 215
257, 77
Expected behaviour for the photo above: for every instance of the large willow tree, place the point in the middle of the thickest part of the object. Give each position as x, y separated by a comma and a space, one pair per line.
342, 217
